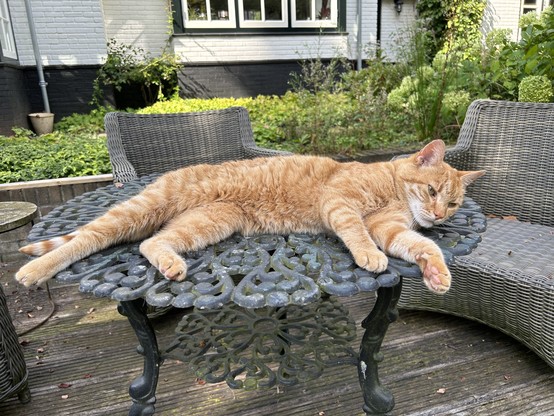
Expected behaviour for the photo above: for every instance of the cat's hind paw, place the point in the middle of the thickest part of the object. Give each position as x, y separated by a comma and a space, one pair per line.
436, 275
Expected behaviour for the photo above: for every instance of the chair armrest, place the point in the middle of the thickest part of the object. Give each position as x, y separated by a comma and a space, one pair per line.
255, 151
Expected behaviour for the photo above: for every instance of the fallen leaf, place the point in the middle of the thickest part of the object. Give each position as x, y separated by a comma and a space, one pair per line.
119, 185
65, 396
509, 217
441, 391
507, 377
39, 308
200, 381
64, 385
87, 376
91, 310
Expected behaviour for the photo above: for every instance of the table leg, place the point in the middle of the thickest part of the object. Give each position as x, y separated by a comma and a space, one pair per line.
378, 399
143, 389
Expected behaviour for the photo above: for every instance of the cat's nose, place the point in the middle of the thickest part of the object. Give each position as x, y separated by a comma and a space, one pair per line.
439, 215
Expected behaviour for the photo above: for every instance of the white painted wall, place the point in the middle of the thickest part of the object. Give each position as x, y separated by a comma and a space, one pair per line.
395, 25
141, 23
74, 32
69, 32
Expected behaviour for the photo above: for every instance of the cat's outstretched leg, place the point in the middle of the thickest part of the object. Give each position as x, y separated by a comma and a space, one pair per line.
398, 240
349, 227
192, 230
130, 220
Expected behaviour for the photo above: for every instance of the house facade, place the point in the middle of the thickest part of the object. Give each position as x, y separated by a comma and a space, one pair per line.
228, 47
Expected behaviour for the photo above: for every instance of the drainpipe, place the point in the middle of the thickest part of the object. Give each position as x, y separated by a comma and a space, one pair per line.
359, 35
41, 82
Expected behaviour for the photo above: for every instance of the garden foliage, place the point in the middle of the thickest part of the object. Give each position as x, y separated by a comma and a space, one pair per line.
442, 66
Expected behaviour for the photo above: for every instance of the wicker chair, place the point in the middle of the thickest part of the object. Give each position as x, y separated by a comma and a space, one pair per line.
508, 281
13, 370
141, 144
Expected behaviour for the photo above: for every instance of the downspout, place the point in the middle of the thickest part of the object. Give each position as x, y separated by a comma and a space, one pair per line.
41, 82
359, 36
379, 12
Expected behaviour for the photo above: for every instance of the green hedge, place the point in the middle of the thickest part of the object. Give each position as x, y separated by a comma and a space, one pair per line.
26, 157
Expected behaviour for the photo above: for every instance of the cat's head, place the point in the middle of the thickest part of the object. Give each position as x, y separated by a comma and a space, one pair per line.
434, 189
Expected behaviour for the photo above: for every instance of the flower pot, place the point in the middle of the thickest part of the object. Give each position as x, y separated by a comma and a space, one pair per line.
42, 123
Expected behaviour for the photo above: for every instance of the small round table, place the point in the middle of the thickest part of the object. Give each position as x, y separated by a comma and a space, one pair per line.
14, 214
275, 294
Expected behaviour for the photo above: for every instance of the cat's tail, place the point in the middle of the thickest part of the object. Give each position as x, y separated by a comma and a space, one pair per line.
43, 247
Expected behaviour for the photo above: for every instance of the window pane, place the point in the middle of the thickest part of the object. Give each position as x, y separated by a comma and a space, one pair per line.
197, 10
220, 9
323, 9
273, 10
6, 35
304, 10
252, 10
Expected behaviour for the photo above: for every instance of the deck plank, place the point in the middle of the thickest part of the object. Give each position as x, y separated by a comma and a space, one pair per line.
92, 349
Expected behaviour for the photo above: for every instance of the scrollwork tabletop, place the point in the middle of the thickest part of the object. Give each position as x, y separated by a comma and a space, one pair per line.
295, 278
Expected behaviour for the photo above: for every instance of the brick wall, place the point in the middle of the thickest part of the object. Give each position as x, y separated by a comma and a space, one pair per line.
69, 89
69, 32
141, 23
239, 80
14, 106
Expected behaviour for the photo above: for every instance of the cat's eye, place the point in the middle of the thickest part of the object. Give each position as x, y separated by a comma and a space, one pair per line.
432, 191
452, 205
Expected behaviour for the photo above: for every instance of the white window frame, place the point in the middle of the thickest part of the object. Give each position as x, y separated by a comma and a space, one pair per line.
284, 22
6, 32
209, 23
331, 22
528, 8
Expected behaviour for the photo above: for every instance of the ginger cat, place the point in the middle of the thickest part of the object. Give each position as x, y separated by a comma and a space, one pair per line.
366, 205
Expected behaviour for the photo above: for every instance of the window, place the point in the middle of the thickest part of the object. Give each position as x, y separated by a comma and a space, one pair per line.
263, 13
529, 6
6, 33
210, 13
259, 14
314, 13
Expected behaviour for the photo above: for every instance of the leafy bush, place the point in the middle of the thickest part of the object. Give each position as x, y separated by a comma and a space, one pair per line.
127, 64
536, 89
26, 157
92, 122
179, 105
532, 55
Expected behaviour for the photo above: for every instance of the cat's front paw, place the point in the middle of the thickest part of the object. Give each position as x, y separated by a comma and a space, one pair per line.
172, 266
372, 260
32, 273
435, 273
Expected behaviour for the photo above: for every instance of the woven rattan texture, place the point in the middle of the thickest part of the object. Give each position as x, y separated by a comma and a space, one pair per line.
514, 143
13, 370
142, 144
508, 281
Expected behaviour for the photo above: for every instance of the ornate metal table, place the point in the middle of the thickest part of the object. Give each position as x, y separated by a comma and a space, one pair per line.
257, 300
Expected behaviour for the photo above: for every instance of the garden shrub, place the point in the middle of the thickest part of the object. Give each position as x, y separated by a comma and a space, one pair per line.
26, 157
536, 89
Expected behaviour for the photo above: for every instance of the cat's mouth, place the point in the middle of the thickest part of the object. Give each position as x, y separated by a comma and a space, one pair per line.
426, 221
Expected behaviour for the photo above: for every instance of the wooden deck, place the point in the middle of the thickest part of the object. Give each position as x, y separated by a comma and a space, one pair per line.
82, 359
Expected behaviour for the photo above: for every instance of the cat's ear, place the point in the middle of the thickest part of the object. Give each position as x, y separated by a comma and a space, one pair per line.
468, 177
432, 154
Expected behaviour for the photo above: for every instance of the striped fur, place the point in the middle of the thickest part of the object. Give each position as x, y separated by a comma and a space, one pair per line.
369, 206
